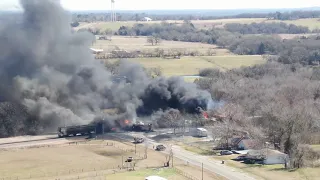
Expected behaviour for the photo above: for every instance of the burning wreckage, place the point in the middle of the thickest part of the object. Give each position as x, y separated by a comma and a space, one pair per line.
49, 76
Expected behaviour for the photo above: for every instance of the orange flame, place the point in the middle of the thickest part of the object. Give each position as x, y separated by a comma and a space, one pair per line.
126, 121
205, 115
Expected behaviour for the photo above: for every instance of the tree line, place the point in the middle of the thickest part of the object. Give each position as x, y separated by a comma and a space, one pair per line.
303, 49
273, 102
266, 28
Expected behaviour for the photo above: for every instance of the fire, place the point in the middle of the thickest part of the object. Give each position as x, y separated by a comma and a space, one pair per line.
205, 115
126, 121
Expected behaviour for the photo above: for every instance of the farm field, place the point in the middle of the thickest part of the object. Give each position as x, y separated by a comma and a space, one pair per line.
66, 159
312, 23
93, 159
192, 65
140, 43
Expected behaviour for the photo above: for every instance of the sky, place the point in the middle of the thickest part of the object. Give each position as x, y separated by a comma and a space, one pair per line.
74, 5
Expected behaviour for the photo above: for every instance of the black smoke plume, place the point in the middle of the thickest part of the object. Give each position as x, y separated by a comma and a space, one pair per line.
49, 76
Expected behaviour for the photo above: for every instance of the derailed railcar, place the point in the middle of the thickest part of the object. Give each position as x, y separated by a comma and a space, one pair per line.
74, 130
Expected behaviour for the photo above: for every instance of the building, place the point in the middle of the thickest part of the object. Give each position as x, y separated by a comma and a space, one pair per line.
268, 156
146, 19
96, 51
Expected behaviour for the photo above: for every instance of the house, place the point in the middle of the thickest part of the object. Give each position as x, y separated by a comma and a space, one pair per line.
146, 19
96, 51
268, 156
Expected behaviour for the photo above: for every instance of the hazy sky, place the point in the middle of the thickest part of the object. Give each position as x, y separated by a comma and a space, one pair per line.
173, 4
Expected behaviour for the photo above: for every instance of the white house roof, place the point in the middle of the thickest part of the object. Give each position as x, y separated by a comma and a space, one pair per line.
147, 18
96, 50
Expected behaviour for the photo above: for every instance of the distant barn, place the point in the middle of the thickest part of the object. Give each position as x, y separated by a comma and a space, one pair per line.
146, 19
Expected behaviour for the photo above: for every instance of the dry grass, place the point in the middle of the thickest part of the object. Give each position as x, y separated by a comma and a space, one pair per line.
219, 23
312, 23
73, 158
192, 65
140, 43
86, 159
234, 61
316, 147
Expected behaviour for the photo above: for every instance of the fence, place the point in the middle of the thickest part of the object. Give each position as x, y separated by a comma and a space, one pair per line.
186, 175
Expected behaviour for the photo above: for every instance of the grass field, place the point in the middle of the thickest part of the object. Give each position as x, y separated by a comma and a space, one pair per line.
192, 65
59, 160
140, 43
312, 23
316, 147
85, 160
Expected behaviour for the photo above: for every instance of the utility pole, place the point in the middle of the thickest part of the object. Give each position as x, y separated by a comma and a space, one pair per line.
135, 148
103, 129
122, 163
172, 160
202, 172
171, 157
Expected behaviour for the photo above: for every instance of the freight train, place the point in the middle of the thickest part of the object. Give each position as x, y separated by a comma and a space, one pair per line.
101, 127
74, 130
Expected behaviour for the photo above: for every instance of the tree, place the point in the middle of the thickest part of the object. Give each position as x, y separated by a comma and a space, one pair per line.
150, 40
261, 49
157, 39
171, 118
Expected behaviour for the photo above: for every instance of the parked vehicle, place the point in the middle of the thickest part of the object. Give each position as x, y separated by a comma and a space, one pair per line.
160, 147
138, 140
226, 152
240, 158
129, 159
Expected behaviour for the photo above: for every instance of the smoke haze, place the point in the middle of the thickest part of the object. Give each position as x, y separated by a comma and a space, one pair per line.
48, 69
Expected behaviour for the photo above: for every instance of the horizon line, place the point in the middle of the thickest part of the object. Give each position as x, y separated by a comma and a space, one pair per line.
293, 8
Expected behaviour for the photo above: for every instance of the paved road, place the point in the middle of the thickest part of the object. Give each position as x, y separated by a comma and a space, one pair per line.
36, 141
210, 164
195, 159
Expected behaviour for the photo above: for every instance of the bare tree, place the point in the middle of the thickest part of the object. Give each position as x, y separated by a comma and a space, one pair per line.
151, 40
157, 39
171, 118
154, 72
